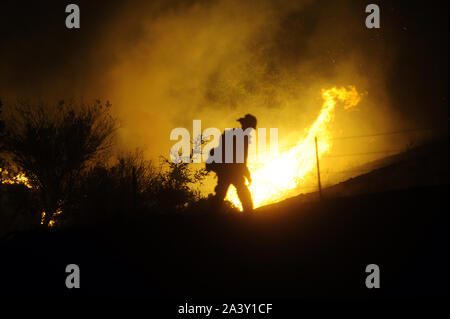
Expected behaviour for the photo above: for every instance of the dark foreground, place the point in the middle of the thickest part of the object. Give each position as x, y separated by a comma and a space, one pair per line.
287, 250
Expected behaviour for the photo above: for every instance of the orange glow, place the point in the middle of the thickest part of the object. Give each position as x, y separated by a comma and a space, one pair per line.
276, 177
22, 179
18, 179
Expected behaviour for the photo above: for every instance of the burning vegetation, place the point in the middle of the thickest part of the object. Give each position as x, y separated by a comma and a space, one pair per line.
19, 178
51, 146
278, 176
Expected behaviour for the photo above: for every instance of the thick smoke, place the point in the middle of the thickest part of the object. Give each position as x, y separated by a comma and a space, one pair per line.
163, 64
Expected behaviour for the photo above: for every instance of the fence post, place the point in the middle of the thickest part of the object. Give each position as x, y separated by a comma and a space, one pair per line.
318, 169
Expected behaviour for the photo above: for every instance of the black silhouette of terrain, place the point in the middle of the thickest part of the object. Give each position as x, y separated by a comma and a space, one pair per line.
298, 248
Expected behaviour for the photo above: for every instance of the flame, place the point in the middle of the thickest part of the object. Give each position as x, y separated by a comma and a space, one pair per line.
278, 176
20, 178
52, 221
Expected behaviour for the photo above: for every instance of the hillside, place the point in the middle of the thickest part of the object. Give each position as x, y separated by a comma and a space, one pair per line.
309, 250
424, 165
297, 248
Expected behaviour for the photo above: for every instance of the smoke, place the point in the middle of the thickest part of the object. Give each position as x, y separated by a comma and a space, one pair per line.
163, 64
216, 61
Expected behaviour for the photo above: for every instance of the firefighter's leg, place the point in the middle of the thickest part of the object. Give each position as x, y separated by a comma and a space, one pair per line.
221, 191
244, 194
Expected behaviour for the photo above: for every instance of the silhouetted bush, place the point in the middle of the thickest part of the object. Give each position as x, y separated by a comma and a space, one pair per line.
65, 152
115, 190
174, 185
54, 144
131, 185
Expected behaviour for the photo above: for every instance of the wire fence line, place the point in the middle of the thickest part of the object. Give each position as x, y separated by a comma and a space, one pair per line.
335, 173
348, 173
390, 133
363, 153
352, 172
379, 134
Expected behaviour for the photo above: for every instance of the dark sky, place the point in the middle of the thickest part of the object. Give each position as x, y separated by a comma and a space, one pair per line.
39, 57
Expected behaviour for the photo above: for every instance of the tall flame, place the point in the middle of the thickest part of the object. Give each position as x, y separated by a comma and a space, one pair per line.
277, 176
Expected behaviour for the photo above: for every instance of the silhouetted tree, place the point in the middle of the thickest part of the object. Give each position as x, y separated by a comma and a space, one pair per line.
52, 145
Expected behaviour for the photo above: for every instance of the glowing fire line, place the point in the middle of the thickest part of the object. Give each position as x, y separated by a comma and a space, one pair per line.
276, 177
20, 178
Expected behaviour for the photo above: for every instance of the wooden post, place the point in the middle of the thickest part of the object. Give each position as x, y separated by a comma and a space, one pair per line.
318, 169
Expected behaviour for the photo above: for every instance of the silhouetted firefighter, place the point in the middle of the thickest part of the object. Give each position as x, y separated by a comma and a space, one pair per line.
229, 162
